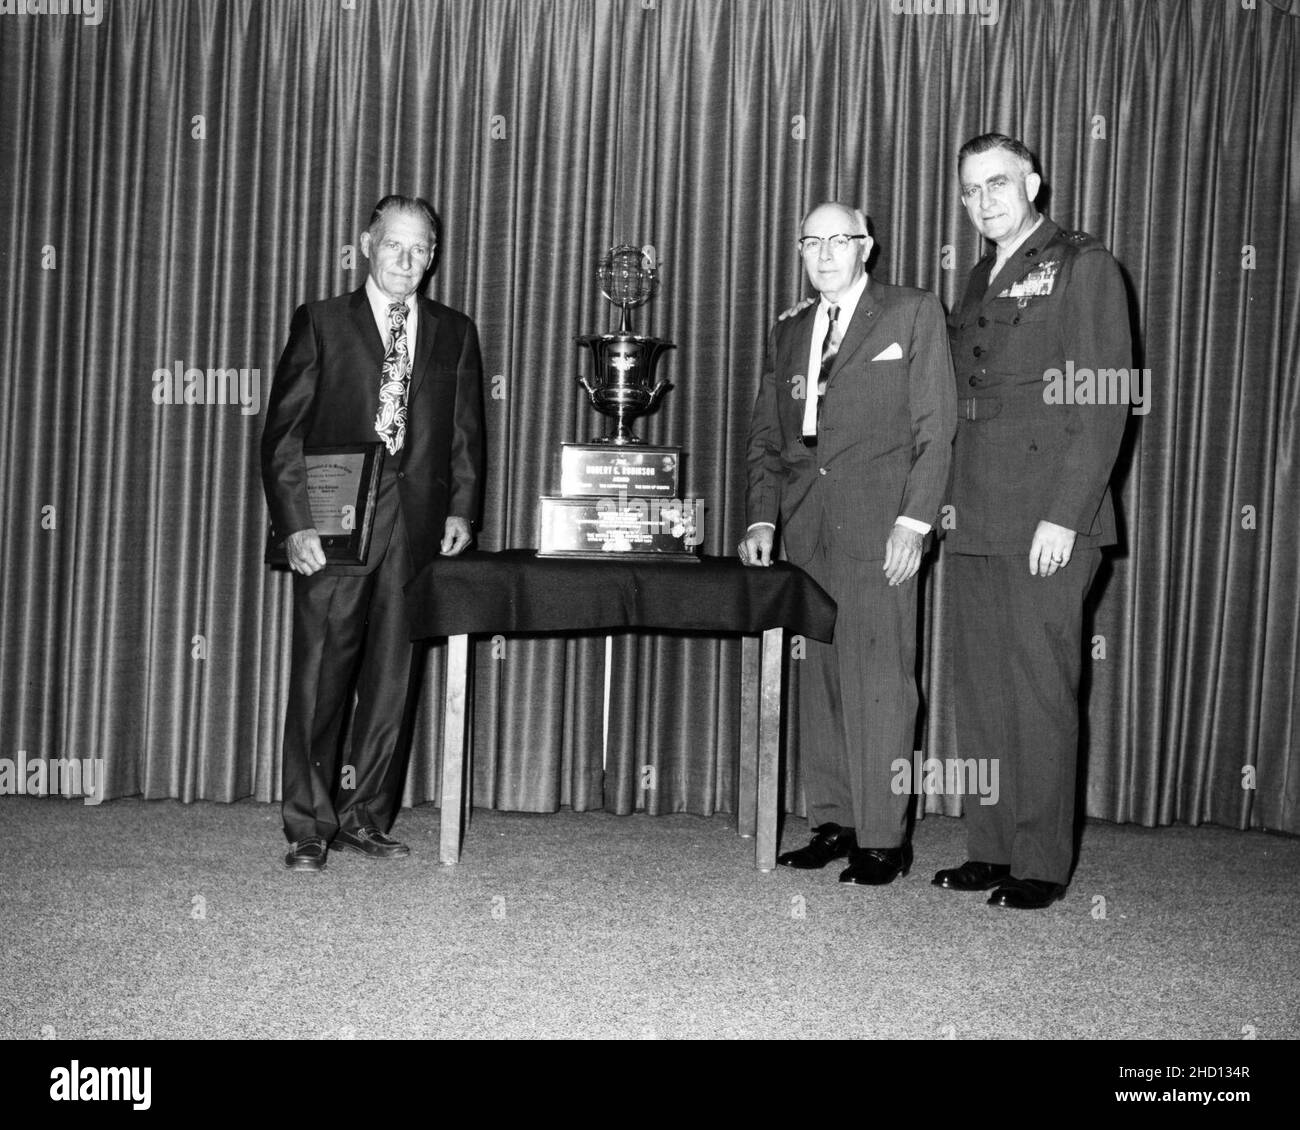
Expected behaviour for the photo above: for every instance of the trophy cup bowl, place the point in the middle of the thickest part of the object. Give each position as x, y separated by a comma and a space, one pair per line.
624, 384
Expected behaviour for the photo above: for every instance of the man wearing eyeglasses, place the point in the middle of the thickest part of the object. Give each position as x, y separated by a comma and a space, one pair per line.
381, 365
849, 450
1031, 509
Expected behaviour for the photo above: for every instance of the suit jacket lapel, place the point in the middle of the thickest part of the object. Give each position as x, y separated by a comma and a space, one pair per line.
793, 359
423, 344
977, 290
861, 326
364, 319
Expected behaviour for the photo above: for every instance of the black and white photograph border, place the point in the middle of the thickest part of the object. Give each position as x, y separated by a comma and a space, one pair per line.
182, 177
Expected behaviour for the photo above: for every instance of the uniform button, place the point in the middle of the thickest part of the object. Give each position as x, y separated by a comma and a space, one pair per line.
1016, 320
401, 474
974, 381
821, 470
979, 351
983, 321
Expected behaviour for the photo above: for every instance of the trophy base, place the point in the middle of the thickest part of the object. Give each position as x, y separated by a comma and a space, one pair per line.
685, 558
618, 529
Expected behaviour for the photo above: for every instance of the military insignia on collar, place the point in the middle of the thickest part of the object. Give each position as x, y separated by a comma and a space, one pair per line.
1037, 283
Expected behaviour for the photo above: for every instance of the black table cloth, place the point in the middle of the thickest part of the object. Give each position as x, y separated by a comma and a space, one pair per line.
480, 593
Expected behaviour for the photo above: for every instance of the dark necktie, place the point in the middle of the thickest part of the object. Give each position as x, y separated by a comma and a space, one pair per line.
830, 347
390, 422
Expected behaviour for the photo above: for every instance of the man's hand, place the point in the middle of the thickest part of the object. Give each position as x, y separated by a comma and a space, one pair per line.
902, 554
456, 535
781, 317
1051, 549
756, 546
305, 553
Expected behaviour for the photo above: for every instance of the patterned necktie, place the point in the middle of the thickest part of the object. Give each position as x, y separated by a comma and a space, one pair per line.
830, 347
390, 423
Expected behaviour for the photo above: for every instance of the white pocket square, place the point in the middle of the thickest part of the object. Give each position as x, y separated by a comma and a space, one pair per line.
890, 353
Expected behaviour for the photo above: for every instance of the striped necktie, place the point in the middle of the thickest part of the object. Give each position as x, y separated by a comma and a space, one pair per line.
830, 347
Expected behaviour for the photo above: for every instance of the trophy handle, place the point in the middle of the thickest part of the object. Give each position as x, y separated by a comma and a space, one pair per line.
661, 386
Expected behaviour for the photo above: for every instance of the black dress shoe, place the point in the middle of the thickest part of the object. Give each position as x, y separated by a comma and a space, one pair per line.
306, 855
972, 876
829, 841
371, 842
874, 867
1026, 894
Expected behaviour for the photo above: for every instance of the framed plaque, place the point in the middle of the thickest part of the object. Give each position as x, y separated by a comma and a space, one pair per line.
342, 484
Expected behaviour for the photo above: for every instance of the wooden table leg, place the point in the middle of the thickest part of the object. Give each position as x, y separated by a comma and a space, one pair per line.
769, 749
747, 768
455, 743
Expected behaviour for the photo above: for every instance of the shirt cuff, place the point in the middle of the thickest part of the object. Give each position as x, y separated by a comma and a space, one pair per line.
759, 525
912, 524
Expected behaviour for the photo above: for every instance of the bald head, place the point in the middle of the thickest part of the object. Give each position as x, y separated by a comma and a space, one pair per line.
835, 265
854, 219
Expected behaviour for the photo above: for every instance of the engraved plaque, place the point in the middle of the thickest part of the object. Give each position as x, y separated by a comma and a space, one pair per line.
620, 529
598, 469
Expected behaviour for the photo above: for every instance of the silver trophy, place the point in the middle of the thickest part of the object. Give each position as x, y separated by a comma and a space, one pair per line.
624, 385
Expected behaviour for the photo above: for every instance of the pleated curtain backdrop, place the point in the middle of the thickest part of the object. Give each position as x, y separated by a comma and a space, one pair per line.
178, 176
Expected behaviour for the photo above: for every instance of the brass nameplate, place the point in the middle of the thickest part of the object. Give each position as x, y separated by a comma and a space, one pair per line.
651, 529
604, 469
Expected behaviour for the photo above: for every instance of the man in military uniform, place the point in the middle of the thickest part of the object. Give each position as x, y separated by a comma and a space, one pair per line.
1031, 511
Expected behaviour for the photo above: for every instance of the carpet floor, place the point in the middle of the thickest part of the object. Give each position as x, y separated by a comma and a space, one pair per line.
138, 919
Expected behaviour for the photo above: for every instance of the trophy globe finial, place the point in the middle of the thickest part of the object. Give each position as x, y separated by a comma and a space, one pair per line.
628, 278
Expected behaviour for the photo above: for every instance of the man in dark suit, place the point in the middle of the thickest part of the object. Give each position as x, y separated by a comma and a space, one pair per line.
1031, 509
382, 364
849, 448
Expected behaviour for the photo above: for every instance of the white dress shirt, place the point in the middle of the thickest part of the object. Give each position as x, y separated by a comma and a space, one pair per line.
848, 304
379, 304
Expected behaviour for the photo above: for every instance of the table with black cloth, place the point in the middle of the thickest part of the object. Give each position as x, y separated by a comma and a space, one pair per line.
480, 593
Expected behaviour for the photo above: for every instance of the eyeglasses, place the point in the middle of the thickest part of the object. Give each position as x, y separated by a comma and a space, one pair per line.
813, 243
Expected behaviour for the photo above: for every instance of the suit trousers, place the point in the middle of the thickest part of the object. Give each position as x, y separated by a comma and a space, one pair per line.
857, 701
1017, 656
349, 632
